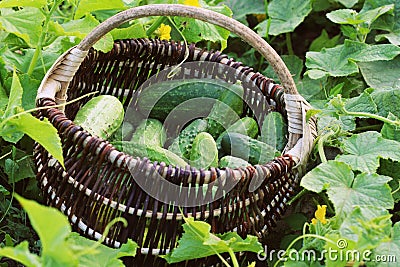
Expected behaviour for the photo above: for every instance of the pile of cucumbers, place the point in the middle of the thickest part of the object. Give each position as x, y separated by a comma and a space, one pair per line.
223, 138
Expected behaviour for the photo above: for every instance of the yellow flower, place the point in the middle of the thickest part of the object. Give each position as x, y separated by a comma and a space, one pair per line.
320, 215
164, 32
191, 3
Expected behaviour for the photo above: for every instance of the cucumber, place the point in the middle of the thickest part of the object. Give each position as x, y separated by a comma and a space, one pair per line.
101, 116
182, 144
227, 109
232, 162
124, 132
247, 148
274, 131
150, 132
159, 99
154, 153
246, 125
204, 152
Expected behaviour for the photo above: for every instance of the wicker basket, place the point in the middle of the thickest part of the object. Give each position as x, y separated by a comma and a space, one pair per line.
98, 181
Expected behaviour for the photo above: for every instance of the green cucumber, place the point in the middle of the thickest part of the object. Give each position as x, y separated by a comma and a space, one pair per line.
150, 132
159, 99
101, 116
124, 132
182, 144
154, 153
204, 152
274, 131
247, 148
226, 110
232, 162
246, 125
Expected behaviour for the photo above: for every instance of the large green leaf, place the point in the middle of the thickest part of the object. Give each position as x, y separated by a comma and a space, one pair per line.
102, 256
387, 101
87, 6
21, 254
361, 103
390, 131
198, 242
53, 228
23, 3
354, 225
364, 150
81, 27
347, 3
352, 17
197, 30
23, 61
134, 31
242, 8
340, 60
389, 248
323, 41
346, 191
285, 16
42, 132
18, 166
15, 99
25, 23
381, 74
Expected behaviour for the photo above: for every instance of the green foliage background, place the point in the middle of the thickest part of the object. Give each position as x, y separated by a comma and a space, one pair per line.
344, 57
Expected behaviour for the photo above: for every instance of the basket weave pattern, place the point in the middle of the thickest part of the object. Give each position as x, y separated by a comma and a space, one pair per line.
99, 183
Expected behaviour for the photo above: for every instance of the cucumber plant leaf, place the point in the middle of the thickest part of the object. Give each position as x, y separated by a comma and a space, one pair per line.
347, 3
198, 242
21, 254
363, 151
346, 190
387, 102
23, 3
284, 16
15, 123
390, 247
102, 256
81, 27
25, 23
52, 233
366, 217
381, 75
85, 7
341, 60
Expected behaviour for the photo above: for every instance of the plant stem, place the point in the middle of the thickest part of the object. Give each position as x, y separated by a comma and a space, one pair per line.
297, 196
233, 258
155, 25
302, 237
42, 36
289, 43
372, 116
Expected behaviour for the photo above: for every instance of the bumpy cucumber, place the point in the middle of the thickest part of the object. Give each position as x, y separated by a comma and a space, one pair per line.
101, 116
232, 162
124, 132
182, 145
150, 132
247, 148
154, 153
246, 125
159, 99
204, 152
274, 131
226, 110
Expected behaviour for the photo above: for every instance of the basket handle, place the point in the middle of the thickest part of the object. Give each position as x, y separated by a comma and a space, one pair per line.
206, 15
